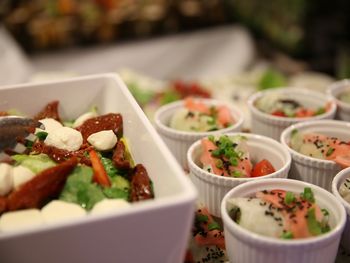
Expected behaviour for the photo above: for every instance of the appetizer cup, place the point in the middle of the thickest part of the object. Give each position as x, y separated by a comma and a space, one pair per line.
335, 90
212, 188
179, 141
242, 245
337, 182
160, 226
309, 169
272, 126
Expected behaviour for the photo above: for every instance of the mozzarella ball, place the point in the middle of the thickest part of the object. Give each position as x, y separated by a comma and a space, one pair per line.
82, 118
103, 140
57, 211
65, 138
22, 219
109, 205
50, 125
21, 175
6, 179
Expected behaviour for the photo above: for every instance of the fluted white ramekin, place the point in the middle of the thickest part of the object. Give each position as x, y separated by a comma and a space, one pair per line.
245, 246
343, 108
272, 126
337, 182
179, 141
212, 188
309, 169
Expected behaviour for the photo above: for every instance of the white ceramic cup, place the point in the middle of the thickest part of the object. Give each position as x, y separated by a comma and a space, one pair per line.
337, 182
179, 141
212, 188
309, 169
272, 126
245, 246
343, 108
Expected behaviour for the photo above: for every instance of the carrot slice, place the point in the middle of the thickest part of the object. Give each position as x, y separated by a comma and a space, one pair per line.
100, 174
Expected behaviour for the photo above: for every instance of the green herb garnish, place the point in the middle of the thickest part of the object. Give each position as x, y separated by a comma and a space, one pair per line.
213, 225
330, 151
219, 164
289, 198
201, 218
320, 111
308, 195
313, 225
41, 135
325, 212
236, 173
287, 235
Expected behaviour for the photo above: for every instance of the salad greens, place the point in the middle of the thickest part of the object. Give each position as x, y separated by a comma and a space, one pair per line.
35, 163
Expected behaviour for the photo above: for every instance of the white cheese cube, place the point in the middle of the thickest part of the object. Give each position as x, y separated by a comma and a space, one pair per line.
103, 140
50, 125
21, 175
109, 205
6, 179
65, 138
22, 219
82, 118
57, 211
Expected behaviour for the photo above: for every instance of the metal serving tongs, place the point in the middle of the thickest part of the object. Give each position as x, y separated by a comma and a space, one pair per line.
13, 132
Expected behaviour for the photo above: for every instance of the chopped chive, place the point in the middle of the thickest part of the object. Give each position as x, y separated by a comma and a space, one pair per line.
308, 195
216, 153
211, 121
236, 173
330, 151
219, 163
201, 218
41, 135
287, 235
325, 212
233, 161
313, 225
289, 198
320, 110
211, 138
213, 225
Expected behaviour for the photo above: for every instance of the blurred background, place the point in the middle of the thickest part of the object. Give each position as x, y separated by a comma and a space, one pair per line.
315, 31
175, 38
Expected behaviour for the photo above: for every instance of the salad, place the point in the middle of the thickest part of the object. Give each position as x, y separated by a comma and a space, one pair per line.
69, 169
321, 147
280, 214
229, 156
282, 106
196, 116
345, 96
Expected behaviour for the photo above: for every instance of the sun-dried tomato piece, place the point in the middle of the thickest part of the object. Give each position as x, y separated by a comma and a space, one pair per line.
49, 111
141, 187
110, 121
46, 185
119, 156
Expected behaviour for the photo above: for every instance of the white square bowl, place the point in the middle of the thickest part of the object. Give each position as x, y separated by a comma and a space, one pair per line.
151, 231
